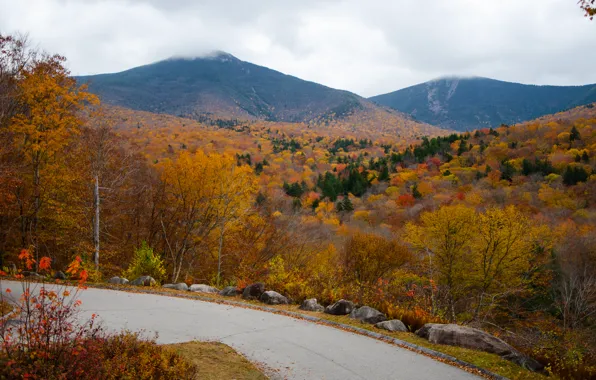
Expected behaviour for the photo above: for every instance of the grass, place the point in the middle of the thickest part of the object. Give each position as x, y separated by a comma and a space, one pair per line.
217, 361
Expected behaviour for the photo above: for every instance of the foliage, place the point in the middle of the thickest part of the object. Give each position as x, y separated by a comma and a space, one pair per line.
145, 262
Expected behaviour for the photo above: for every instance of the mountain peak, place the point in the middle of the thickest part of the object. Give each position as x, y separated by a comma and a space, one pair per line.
216, 55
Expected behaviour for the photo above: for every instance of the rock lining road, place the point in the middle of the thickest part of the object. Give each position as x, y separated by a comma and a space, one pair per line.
289, 348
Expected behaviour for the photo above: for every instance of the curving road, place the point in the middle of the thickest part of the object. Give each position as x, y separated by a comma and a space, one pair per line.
289, 348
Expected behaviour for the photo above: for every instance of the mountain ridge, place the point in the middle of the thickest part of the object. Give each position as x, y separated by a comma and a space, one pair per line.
478, 102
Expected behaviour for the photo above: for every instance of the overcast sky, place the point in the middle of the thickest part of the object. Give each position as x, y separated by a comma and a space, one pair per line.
365, 46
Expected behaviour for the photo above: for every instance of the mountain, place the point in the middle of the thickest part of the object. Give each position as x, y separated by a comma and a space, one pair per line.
221, 85
471, 103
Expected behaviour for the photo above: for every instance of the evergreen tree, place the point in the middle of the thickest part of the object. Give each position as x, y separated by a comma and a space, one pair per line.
574, 135
384, 176
415, 192
347, 204
574, 174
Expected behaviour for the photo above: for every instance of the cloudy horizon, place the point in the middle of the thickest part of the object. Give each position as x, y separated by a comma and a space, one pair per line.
369, 49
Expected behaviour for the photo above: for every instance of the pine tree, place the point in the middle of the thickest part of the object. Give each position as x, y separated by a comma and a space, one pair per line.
415, 192
347, 204
574, 134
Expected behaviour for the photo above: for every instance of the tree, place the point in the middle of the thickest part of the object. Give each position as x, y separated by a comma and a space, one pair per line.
236, 190
50, 102
187, 213
368, 258
574, 135
145, 263
574, 174
202, 194
502, 251
588, 7
444, 236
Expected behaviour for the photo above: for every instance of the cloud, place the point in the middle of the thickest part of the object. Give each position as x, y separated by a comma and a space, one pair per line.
368, 47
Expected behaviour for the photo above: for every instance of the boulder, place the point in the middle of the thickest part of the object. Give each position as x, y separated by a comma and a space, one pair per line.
273, 298
229, 291
468, 337
341, 307
178, 286
202, 288
311, 305
144, 281
367, 314
32, 274
392, 325
118, 280
59, 275
12, 269
253, 291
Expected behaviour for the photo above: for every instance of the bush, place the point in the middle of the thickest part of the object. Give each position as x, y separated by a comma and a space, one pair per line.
146, 263
101, 356
51, 343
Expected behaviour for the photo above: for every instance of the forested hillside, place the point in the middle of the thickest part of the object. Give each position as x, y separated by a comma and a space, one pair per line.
471, 103
494, 228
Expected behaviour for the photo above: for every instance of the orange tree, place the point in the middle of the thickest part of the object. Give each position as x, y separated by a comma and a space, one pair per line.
49, 117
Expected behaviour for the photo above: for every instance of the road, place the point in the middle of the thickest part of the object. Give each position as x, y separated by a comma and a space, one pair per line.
289, 348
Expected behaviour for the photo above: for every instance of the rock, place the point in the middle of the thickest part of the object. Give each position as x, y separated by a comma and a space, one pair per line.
392, 325
12, 269
32, 274
202, 288
229, 291
118, 280
144, 281
273, 298
311, 305
253, 291
341, 307
178, 286
59, 275
468, 337
367, 314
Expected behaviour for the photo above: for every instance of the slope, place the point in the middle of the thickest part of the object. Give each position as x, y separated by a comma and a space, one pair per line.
470, 103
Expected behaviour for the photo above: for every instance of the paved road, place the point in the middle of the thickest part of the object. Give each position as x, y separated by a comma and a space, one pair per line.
291, 348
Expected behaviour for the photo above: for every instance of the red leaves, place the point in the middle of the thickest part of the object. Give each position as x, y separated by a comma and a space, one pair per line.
44, 263
26, 256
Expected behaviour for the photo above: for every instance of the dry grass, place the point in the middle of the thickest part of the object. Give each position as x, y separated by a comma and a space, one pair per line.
217, 361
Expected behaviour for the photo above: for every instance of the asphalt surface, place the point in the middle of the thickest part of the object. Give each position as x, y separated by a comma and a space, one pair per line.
289, 348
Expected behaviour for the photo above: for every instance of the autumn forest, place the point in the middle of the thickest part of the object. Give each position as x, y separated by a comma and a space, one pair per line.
493, 228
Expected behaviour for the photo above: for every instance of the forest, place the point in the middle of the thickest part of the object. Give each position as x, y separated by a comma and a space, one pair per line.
494, 228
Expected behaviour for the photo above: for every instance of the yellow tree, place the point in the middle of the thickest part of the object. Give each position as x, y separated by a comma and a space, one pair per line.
50, 104
502, 251
444, 236
203, 194
369, 257
235, 192
187, 215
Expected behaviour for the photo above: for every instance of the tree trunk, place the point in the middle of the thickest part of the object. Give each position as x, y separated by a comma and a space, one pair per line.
96, 223
221, 239
37, 206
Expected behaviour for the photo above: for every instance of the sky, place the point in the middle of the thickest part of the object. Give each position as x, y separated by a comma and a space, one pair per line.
368, 47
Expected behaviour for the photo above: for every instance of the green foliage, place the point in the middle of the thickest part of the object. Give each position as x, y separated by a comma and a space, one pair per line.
574, 134
146, 263
574, 174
